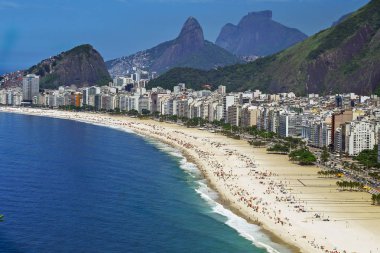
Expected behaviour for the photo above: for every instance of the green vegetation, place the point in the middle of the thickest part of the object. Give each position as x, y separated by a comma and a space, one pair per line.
103, 81
80, 66
254, 131
325, 156
133, 113
376, 199
49, 81
258, 144
344, 185
328, 173
352, 42
231, 135
368, 158
279, 148
195, 122
81, 49
368, 15
303, 156
374, 175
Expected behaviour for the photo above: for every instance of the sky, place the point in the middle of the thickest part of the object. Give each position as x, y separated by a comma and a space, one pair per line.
33, 30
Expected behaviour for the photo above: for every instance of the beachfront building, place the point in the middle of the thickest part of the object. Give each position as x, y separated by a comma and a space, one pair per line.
228, 101
249, 115
108, 102
317, 133
338, 140
89, 94
10, 97
339, 118
283, 129
215, 111
30, 87
361, 136
290, 125
233, 115
183, 107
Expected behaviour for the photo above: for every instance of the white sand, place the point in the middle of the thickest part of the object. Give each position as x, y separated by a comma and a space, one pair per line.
283, 197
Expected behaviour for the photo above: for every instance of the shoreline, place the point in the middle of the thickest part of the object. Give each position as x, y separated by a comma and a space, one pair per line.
254, 184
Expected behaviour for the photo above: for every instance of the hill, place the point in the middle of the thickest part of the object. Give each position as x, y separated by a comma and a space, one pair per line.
343, 58
80, 66
189, 49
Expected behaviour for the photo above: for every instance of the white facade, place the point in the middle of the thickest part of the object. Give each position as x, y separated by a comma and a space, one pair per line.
361, 136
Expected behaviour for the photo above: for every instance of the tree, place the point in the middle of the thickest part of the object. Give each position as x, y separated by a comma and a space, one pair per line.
156, 114
279, 148
368, 158
303, 156
133, 112
373, 199
257, 143
325, 155
145, 112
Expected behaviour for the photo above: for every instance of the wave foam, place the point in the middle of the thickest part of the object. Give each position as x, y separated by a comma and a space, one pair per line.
245, 229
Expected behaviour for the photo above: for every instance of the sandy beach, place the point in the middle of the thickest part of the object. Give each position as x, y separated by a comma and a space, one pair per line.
288, 200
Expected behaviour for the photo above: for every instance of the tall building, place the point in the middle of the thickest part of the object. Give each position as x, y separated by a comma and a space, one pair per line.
30, 87
233, 115
289, 125
338, 119
249, 116
228, 101
361, 136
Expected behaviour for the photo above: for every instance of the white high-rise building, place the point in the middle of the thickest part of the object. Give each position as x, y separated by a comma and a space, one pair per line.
361, 136
228, 101
30, 87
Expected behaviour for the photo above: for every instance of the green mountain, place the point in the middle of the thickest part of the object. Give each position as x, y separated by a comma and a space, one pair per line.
343, 58
189, 49
80, 66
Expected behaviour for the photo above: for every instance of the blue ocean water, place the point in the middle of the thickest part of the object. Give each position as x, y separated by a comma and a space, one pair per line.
67, 186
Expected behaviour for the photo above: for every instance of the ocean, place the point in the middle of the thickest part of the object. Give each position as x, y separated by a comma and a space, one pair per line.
67, 186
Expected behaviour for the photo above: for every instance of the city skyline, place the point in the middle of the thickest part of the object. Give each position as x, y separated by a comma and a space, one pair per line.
116, 29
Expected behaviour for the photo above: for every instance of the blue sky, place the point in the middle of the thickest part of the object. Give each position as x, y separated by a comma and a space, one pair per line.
32, 30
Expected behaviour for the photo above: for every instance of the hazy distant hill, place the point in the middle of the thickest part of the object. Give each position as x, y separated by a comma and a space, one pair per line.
341, 19
257, 34
189, 49
344, 58
81, 66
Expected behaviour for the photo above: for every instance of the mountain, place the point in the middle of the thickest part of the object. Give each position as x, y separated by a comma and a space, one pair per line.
257, 34
189, 49
344, 58
80, 66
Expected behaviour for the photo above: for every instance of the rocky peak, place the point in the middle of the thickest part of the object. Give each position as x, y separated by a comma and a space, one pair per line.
189, 49
260, 14
257, 35
253, 18
80, 66
191, 33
